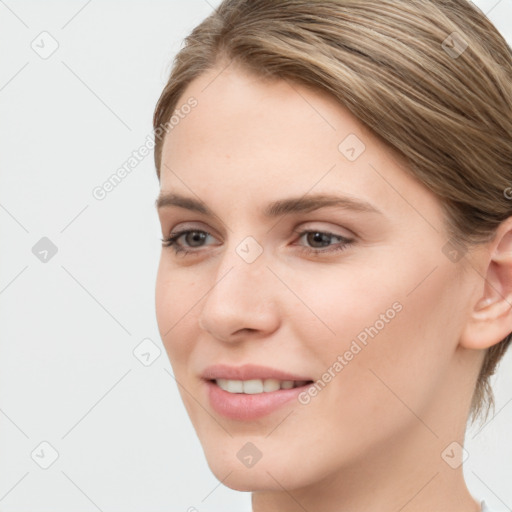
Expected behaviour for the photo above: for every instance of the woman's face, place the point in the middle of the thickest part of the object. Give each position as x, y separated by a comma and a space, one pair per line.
369, 301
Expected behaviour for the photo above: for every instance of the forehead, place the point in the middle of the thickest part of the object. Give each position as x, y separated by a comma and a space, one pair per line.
260, 138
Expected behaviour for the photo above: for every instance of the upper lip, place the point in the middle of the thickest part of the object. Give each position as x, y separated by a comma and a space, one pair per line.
248, 372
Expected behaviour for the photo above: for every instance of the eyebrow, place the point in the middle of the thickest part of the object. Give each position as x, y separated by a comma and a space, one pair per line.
278, 208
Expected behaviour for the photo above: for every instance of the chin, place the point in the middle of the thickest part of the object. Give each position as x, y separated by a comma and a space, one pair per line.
268, 473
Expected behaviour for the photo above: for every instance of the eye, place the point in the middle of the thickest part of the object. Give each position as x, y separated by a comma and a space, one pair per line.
323, 238
172, 240
195, 238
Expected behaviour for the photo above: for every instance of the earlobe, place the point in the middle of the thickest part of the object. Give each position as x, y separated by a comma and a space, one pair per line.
490, 319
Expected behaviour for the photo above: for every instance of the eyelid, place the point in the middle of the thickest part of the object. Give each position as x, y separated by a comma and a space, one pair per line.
200, 226
193, 226
335, 231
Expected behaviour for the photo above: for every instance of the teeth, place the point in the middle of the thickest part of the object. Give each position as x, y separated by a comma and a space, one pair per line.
252, 387
255, 386
271, 385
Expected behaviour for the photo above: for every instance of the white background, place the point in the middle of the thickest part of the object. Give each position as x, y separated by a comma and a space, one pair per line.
68, 375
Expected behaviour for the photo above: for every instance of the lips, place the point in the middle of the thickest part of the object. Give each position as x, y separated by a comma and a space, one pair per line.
249, 372
251, 403
249, 407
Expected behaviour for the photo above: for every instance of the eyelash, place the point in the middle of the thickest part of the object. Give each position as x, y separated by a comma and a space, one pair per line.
171, 242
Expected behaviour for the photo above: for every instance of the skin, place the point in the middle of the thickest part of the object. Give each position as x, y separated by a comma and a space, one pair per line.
372, 439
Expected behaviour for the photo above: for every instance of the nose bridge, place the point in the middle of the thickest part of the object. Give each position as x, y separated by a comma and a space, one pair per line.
240, 296
241, 273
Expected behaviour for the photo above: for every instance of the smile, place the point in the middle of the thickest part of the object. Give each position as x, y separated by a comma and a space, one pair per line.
255, 386
254, 399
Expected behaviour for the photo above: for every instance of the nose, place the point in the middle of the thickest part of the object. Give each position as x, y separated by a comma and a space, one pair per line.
241, 302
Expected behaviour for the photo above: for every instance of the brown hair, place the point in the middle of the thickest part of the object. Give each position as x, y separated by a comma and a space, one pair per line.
432, 78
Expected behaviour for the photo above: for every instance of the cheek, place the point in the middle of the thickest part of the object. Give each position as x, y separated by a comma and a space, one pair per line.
340, 304
175, 297
395, 339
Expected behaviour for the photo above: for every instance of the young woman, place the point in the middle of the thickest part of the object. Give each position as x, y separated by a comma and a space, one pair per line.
335, 286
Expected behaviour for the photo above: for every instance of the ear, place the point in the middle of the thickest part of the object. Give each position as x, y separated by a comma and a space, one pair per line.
491, 315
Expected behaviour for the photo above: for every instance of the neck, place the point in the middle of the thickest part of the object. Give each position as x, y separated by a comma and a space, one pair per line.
409, 475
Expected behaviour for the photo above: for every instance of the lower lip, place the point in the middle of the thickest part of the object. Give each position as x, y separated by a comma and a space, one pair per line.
246, 407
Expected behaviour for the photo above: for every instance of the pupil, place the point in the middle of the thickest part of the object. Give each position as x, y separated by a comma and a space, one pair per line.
196, 237
319, 237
